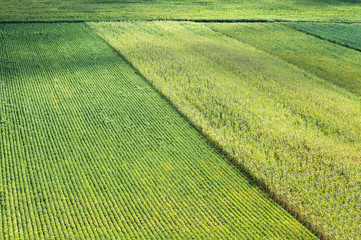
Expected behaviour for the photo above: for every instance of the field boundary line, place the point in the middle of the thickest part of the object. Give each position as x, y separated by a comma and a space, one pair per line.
154, 20
245, 20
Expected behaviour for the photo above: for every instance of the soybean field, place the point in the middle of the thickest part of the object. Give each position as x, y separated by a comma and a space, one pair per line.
296, 133
89, 150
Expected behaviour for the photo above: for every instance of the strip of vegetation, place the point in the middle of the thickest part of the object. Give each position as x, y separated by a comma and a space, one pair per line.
345, 34
296, 133
89, 150
77, 10
334, 63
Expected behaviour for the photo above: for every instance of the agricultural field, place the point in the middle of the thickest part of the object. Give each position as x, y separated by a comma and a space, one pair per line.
89, 150
168, 119
329, 61
345, 34
245, 10
297, 134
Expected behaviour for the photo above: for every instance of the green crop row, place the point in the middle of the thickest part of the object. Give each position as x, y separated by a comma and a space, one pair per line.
344, 34
296, 133
89, 150
82, 10
329, 61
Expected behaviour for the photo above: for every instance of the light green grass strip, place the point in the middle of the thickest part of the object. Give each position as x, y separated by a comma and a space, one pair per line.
88, 150
295, 132
85, 10
344, 34
332, 62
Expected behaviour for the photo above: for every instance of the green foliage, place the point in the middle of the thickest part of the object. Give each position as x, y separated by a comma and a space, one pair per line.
329, 61
88, 150
297, 133
344, 34
83, 10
